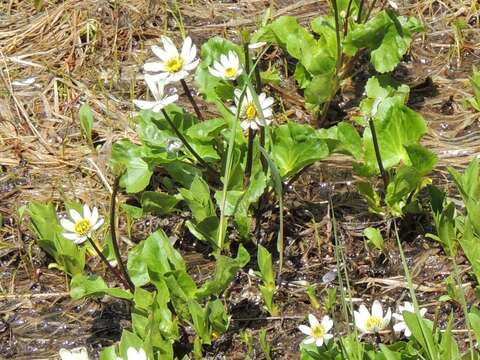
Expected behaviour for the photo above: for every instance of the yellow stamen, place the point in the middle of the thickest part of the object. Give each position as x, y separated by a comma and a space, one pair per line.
230, 72
82, 227
251, 112
374, 323
318, 331
174, 64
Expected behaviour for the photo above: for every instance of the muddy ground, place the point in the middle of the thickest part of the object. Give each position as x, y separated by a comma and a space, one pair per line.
43, 157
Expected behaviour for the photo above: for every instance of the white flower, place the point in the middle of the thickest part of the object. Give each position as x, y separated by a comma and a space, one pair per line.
79, 353
228, 68
373, 322
317, 332
173, 66
133, 354
249, 113
156, 85
81, 226
401, 326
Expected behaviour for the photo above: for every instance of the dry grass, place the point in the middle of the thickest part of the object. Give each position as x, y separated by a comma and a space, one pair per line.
91, 51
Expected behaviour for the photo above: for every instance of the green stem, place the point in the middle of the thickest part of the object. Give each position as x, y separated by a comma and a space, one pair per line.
248, 165
189, 148
378, 154
107, 263
191, 99
113, 235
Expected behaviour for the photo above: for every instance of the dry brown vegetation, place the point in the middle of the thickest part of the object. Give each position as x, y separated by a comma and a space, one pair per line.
43, 157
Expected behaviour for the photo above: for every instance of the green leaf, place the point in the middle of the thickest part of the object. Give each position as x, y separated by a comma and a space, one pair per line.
321, 88
68, 256
127, 341
387, 35
470, 246
374, 237
343, 138
448, 345
198, 199
402, 127
264, 259
82, 286
218, 316
225, 270
206, 130
86, 123
108, 353
156, 254
158, 202
127, 158
296, 146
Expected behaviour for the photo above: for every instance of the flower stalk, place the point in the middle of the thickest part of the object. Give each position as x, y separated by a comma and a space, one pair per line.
191, 99
189, 147
378, 154
107, 263
248, 165
113, 235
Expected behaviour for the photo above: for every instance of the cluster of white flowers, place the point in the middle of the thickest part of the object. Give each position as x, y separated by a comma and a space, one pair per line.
171, 66
368, 322
174, 66
82, 354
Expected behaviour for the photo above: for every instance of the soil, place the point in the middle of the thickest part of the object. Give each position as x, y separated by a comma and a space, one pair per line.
43, 157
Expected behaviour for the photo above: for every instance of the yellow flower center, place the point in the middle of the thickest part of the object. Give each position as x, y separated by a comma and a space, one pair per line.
174, 64
318, 331
251, 112
230, 72
82, 227
374, 323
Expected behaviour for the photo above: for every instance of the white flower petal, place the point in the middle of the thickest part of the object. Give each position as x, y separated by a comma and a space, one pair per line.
154, 66
398, 317
80, 240
169, 47
387, 318
328, 337
94, 217
191, 54
309, 340
245, 124
423, 312
215, 72
268, 102
377, 309
407, 332
399, 327
169, 99
192, 65
97, 224
160, 53
144, 105
312, 319
327, 323
67, 225
364, 311
305, 329
319, 342
74, 214
87, 214
186, 48
70, 236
